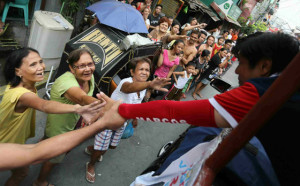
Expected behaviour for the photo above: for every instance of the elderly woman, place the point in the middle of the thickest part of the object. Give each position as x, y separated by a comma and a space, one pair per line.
158, 33
131, 90
73, 87
23, 68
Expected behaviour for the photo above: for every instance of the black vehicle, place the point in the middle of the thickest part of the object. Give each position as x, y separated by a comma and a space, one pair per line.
110, 60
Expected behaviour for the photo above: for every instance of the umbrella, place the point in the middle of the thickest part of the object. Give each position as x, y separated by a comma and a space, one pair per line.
119, 15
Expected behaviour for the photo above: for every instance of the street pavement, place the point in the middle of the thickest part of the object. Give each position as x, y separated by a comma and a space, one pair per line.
121, 165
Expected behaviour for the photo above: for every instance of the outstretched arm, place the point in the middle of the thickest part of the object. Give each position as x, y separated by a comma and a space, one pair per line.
17, 155
156, 84
31, 100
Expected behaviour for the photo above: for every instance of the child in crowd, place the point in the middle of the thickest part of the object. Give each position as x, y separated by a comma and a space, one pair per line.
175, 92
201, 63
217, 46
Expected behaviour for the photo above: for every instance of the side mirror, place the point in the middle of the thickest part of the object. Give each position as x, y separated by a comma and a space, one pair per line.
220, 85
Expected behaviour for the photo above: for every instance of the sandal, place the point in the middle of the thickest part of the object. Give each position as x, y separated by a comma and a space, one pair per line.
87, 173
86, 150
194, 96
3, 29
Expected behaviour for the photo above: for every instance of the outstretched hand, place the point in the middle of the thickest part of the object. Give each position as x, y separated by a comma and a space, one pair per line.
111, 118
89, 112
158, 84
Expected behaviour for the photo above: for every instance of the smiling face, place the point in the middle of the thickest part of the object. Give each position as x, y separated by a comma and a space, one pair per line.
32, 68
84, 68
146, 13
202, 38
141, 72
163, 27
178, 48
210, 41
190, 69
193, 38
223, 53
175, 29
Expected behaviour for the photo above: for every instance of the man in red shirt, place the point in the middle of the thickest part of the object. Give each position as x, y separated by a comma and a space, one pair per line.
260, 63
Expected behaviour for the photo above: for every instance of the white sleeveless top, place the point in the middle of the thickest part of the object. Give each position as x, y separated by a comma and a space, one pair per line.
181, 81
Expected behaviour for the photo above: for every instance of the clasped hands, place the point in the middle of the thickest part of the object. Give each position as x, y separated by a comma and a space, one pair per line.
109, 113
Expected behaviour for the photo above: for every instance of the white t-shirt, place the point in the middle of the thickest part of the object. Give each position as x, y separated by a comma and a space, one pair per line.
147, 21
130, 98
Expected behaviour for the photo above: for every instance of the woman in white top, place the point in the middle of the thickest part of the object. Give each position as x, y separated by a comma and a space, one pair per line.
145, 14
131, 90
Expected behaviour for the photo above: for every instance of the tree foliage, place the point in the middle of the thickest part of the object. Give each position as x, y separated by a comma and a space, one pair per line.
248, 27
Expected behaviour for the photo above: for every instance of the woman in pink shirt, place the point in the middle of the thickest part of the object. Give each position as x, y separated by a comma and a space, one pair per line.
168, 60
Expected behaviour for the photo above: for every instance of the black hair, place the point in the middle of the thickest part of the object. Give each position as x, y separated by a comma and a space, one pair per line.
75, 55
228, 41
176, 22
213, 25
161, 6
133, 4
236, 48
203, 32
193, 18
205, 53
280, 48
15, 60
133, 63
225, 31
194, 31
221, 38
222, 49
176, 42
191, 63
209, 37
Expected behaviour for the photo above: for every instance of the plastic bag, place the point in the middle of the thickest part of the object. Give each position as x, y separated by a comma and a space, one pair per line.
128, 132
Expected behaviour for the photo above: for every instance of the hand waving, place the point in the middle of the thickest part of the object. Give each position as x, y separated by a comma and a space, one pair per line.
159, 83
88, 112
111, 118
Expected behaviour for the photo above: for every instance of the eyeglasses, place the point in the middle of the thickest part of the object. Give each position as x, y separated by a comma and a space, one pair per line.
80, 67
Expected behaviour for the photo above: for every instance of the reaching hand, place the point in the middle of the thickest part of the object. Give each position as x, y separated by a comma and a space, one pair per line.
158, 84
203, 25
88, 112
111, 118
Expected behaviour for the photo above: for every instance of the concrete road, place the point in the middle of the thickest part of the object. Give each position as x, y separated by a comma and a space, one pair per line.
120, 166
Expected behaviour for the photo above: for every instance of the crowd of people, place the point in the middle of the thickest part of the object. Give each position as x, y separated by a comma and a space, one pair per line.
190, 55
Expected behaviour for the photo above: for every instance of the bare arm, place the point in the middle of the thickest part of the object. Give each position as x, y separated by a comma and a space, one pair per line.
31, 100
187, 28
17, 155
176, 37
160, 60
77, 95
189, 57
171, 71
177, 73
157, 84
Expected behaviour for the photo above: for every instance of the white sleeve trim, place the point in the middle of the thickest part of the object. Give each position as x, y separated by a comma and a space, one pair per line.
223, 112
